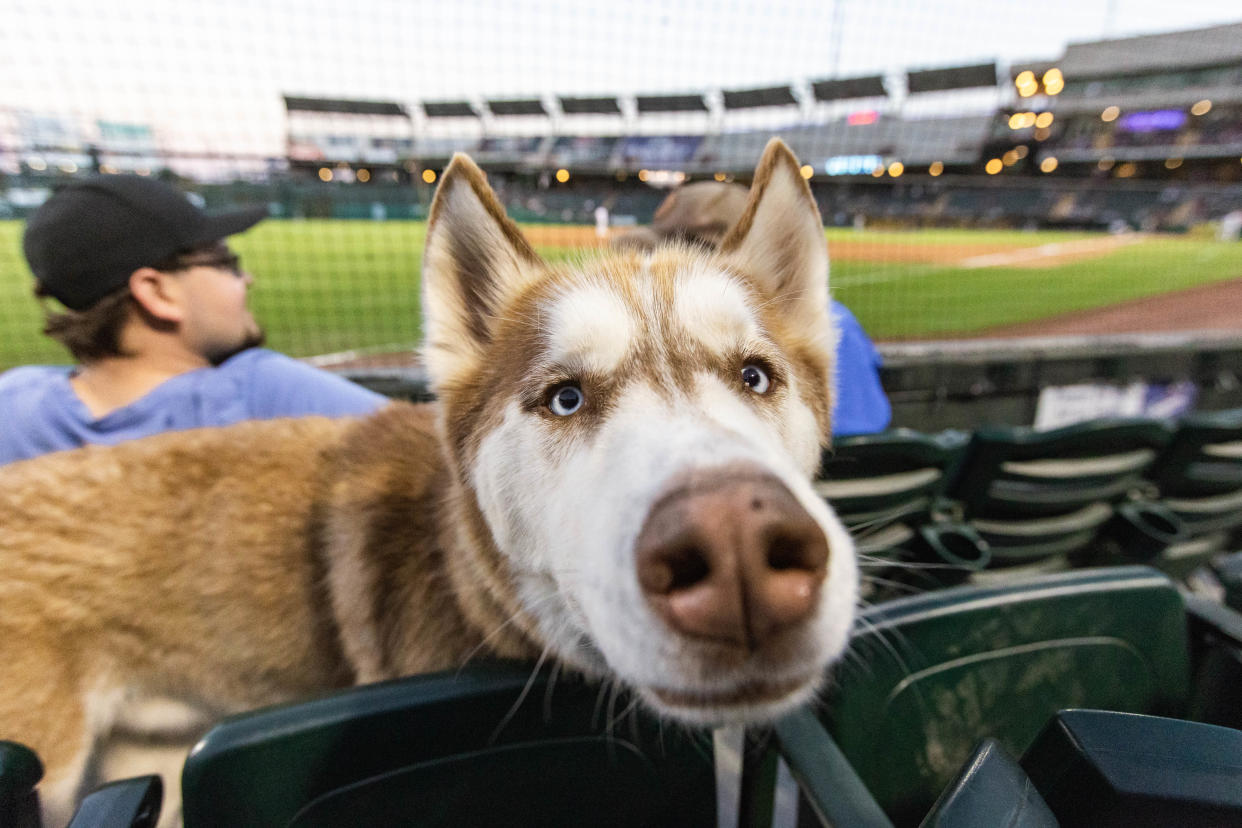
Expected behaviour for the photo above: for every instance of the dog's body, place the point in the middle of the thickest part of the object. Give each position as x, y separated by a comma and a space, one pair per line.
615, 476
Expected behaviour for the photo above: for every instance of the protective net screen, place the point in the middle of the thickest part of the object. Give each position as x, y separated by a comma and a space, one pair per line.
982, 168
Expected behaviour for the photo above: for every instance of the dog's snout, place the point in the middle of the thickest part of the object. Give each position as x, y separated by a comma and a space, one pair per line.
731, 557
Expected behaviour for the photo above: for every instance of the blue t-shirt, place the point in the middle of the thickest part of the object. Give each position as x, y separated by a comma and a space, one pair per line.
860, 406
39, 411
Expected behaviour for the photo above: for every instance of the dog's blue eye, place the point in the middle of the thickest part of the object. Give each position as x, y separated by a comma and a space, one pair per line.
565, 400
755, 378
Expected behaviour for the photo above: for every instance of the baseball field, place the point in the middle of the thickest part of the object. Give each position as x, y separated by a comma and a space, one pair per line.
330, 286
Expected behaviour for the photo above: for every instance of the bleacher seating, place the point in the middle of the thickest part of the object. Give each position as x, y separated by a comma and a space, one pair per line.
1099, 492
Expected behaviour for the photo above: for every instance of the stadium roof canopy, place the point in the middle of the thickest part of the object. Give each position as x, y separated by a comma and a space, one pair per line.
294, 103
769, 96
449, 109
590, 106
671, 103
530, 106
1215, 46
841, 89
954, 77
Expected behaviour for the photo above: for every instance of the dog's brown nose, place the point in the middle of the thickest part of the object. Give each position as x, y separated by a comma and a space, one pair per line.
731, 556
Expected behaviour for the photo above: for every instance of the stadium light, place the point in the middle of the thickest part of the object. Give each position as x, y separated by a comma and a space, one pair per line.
364, 175
1026, 83
37, 164
1048, 164
1202, 107
643, 175
936, 168
562, 175
69, 167
1021, 150
1172, 163
1127, 170
1105, 164
107, 169
878, 172
429, 176
807, 171
994, 166
720, 177
1010, 158
896, 168
325, 174
1054, 81
1022, 120
1110, 114
1043, 120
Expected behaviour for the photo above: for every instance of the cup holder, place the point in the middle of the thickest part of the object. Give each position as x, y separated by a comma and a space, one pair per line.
1144, 530
957, 545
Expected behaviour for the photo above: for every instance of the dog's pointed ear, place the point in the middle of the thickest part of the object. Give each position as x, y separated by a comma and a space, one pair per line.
475, 259
778, 242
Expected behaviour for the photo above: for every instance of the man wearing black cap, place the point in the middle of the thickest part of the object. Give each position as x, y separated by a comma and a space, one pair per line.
156, 316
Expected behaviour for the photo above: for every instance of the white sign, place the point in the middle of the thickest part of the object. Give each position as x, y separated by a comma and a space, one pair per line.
1062, 405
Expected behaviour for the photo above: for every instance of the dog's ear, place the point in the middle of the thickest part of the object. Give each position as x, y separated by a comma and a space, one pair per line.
779, 242
475, 259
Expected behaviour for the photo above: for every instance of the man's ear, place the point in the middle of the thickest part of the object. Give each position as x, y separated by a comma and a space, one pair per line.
475, 260
157, 294
778, 243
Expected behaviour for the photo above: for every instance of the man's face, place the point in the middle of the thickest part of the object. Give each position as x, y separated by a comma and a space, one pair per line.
218, 322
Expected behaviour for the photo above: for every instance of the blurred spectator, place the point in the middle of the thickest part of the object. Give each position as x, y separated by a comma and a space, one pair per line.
156, 316
703, 212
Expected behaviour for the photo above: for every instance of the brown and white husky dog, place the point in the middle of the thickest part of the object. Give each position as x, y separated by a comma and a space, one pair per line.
615, 476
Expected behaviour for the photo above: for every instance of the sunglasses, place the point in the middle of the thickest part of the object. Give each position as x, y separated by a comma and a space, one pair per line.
230, 262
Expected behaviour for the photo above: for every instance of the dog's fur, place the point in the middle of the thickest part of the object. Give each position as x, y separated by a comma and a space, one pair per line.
151, 587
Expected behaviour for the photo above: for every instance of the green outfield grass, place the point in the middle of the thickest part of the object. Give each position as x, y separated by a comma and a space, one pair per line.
326, 286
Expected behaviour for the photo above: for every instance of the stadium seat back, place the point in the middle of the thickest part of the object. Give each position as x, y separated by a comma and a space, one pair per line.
1038, 494
1199, 474
888, 489
484, 746
929, 676
892, 475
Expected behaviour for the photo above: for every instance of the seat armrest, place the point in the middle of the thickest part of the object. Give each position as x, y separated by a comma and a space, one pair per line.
827, 780
130, 803
991, 790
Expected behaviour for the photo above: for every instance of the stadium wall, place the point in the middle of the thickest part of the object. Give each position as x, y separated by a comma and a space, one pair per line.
941, 385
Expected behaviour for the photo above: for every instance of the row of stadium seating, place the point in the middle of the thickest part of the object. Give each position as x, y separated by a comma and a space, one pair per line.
1120, 694
928, 509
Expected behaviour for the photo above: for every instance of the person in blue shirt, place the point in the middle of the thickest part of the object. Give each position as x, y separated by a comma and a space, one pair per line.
703, 212
155, 314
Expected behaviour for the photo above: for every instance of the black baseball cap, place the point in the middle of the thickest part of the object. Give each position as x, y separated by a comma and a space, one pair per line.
86, 240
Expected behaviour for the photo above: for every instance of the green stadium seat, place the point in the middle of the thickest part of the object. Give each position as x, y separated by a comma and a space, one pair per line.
888, 488
1049, 498
930, 676
20, 772
487, 745
1199, 478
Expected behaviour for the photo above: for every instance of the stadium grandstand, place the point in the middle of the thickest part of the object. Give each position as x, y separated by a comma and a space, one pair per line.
1142, 133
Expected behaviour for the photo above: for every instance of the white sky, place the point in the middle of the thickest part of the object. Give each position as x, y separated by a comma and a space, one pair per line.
209, 74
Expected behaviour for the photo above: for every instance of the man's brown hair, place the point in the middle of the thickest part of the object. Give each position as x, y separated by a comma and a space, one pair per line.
91, 334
